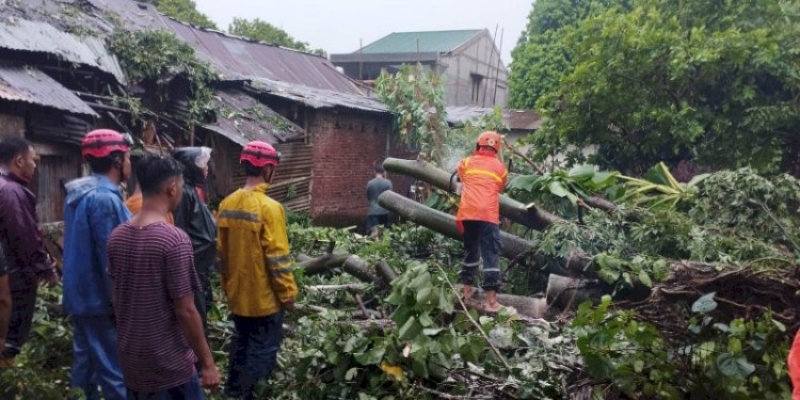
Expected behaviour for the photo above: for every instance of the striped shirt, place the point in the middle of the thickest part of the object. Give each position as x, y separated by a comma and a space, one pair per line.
151, 266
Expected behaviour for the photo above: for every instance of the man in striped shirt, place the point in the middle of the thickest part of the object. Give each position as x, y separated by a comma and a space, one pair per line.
159, 331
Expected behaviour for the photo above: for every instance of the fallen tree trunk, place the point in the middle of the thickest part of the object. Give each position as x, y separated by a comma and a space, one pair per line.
509, 208
578, 264
512, 246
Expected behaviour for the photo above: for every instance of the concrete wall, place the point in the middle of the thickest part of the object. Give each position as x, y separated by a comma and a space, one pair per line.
477, 58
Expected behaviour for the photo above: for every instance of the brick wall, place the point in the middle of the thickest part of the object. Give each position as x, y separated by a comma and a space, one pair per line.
347, 146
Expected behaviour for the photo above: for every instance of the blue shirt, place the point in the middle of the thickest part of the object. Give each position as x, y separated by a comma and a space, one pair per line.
93, 208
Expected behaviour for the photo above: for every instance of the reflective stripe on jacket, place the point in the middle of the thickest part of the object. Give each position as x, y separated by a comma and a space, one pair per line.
254, 250
482, 177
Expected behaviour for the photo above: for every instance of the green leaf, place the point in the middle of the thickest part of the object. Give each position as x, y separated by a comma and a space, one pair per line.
410, 329
737, 367
608, 276
432, 331
705, 304
558, 189
371, 357
598, 367
603, 179
645, 279
423, 294
351, 373
582, 172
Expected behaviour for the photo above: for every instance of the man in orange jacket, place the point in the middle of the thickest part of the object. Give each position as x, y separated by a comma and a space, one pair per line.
794, 366
483, 176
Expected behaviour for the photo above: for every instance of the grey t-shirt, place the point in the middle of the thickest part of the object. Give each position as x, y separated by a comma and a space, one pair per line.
374, 188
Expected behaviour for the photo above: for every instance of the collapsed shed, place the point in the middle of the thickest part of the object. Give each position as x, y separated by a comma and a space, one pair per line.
331, 132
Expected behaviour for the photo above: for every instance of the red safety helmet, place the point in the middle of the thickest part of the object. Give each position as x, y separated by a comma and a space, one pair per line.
101, 143
490, 139
259, 154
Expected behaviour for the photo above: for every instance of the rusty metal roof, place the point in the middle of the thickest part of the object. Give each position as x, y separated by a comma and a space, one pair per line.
39, 37
527, 120
237, 58
32, 86
318, 98
312, 79
242, 119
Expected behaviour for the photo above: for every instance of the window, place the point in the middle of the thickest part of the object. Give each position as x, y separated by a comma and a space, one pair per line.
477, 79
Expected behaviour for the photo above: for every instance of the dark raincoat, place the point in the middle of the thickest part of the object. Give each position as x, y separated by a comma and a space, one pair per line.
194, 217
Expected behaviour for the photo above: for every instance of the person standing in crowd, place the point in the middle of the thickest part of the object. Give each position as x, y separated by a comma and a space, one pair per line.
483, 177
159, 331
377, 215
5, 298
194, 217
256, 277
134, 204
28, 261
93, 209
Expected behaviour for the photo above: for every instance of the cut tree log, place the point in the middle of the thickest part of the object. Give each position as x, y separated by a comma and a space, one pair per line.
314, 266
327, 288
359, 268
385, 272
566, 293
352, 264
515, 211
527, 306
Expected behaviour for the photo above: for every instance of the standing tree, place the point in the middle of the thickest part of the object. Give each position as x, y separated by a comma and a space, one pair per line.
673, 80
184, 10
263, 31
540, 60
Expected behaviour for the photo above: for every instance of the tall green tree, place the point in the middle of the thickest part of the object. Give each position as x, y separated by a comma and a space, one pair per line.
680, 80
540, 59
263, 31
184, 10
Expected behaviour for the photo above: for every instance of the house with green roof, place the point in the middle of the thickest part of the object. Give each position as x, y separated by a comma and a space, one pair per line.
468, 61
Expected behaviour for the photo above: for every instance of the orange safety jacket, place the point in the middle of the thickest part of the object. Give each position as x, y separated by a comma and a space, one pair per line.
254, 253
483, 178
794, 366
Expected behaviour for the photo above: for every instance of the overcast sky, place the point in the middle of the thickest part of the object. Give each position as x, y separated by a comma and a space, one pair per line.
337, 25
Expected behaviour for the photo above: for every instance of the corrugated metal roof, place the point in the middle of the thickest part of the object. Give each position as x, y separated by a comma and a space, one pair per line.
29, 85
242, 119
237, 58
23, 35
234, 58
515, 119
412, 42
318, 98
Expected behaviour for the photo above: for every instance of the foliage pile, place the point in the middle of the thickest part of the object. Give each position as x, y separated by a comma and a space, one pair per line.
155, 58
725, 338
